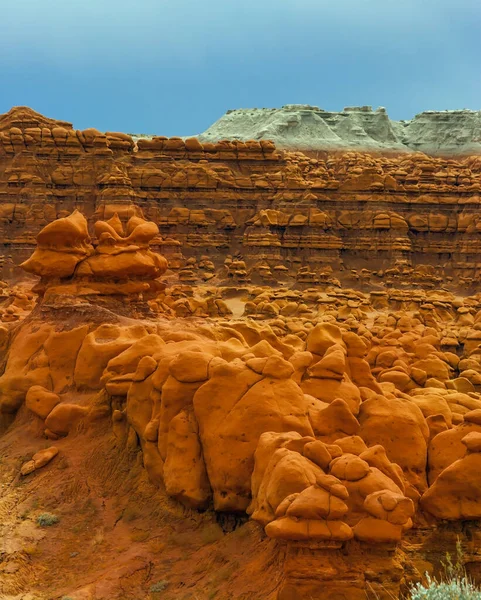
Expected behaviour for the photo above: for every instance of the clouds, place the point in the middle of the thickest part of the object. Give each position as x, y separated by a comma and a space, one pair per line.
175, 66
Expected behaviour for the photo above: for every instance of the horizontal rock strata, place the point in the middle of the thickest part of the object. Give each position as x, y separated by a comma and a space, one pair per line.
245, 210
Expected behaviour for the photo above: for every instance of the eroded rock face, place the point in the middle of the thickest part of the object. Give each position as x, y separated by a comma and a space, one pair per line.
222, 420
341, 421
238, 211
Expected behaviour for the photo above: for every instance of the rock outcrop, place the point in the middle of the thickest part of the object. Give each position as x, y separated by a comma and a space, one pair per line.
121, 263
344, 429
234, 212
230, 376
305, 127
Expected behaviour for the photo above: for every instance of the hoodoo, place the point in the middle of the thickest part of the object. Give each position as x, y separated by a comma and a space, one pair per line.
229, 370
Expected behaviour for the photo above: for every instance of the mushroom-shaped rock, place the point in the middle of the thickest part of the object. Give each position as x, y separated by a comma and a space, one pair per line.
278, 368
61, 246
287, 473
377, 531
389, 515
328, 390
447, 447
472, 441
392, 507
352, 444
437, 424
331, 366
147, 365
316, 503
190, 367
268, 443
376, 457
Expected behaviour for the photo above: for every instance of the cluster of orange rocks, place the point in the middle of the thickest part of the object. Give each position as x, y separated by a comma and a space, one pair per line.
346, 424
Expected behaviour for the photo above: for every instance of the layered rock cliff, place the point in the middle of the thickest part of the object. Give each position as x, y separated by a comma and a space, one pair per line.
246, 211
193, 404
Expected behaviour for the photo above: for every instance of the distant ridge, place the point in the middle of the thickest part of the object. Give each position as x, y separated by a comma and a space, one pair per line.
305, 127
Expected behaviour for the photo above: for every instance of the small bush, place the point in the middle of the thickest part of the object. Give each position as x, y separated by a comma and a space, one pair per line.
457, 589
159, 586
454, 584
47, 520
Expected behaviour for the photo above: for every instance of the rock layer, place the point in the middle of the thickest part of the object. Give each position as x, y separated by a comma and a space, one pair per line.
305, 127
345, 424
235, 211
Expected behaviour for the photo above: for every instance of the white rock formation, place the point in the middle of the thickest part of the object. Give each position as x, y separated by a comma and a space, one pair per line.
305, 127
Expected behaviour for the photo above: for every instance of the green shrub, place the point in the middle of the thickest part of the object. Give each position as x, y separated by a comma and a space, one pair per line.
457, 589
454, 584
47, 520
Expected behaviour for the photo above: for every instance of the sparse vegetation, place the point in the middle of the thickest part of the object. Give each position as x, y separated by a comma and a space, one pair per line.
454, 583
47, 520
457, 589
160, 586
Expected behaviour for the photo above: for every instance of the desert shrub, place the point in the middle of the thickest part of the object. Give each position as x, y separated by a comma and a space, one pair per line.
454, 583
159, 586
47, 519
456, 589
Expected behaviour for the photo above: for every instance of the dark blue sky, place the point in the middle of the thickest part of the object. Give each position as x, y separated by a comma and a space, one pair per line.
174, 67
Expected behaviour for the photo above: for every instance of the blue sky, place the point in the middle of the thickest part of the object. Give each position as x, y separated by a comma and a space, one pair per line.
173, 67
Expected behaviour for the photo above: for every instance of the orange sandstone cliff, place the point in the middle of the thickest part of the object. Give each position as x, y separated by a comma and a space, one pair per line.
194, 406
277, 215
